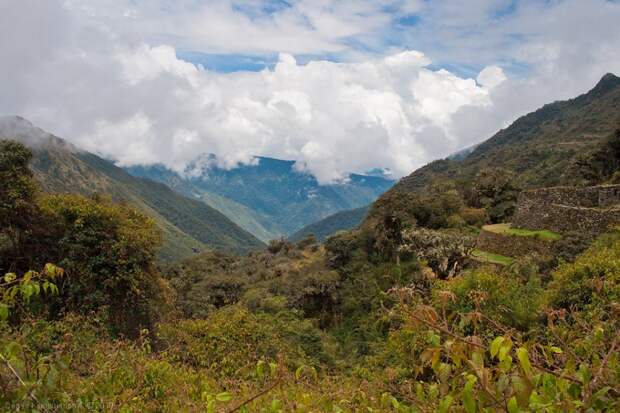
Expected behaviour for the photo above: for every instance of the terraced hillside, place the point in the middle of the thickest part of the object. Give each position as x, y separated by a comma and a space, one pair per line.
188, 225
544, 215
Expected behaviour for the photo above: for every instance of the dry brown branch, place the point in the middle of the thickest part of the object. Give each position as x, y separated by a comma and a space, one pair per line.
256, 396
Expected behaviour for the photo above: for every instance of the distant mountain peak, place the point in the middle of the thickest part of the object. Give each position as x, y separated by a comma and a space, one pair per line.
610, 77
24, 131
607, 83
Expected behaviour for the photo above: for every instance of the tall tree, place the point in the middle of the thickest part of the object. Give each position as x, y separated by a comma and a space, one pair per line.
17, 199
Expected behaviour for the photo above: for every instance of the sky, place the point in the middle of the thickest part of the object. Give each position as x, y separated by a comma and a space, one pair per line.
339, 86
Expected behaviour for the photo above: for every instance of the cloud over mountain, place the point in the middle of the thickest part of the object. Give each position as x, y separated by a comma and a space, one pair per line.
339, 98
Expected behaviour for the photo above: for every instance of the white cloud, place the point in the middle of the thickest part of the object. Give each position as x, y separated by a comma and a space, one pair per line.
105, 75
491, 76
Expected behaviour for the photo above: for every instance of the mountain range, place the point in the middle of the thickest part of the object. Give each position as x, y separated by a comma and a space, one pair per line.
340, 221
269, 197
238, 209
188, 225
542, 148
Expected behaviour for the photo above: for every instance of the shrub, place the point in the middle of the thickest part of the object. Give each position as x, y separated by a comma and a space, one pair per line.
279, 245
496, 190
592, 281
446, 252
232, 340
505, 297
474, 216
308, 241
340, 248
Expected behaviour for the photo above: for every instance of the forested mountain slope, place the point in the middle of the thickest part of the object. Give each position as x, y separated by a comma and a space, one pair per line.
269, 198
541, 147
340, 221
188, 225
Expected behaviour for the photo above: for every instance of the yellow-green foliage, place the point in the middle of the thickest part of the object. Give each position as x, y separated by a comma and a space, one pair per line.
507, 229
502, 296
231, 341
593, 280
300, 328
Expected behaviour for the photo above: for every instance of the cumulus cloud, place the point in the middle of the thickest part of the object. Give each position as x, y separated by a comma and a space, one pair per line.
105, 75
334, 118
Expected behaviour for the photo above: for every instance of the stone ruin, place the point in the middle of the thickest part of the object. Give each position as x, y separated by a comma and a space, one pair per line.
564, 209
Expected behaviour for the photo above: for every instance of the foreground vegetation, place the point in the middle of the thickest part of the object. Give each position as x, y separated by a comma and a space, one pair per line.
392, 317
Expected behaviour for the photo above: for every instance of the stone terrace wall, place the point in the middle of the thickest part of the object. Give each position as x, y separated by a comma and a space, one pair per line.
563, 209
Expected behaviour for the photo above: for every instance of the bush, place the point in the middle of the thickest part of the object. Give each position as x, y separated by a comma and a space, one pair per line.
341, 247
474, 216
308, 241
279, 245
445, 252
592, 281
505, 297
496, 190
232, 340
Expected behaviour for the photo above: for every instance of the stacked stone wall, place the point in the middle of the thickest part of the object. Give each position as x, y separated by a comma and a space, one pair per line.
609, 196
565, 209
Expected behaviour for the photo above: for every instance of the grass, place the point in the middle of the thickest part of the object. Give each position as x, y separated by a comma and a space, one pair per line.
507, 229
492, 258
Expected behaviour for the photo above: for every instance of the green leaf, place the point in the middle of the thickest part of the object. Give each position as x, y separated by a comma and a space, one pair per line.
468, 395
211, 406
584, 373
298, 372
9, 277
513, 407
4, 311
276, 405
524, 360
556, 350
445, 404
260, 368
223, 397
503, 352
433, 339
495, 345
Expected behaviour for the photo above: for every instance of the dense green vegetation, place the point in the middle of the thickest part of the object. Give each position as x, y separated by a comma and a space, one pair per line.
394, 317
401, 314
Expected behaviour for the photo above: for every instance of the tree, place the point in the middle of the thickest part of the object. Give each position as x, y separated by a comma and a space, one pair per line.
496, 190
108, 252
444, 252
601, 165
17, 196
